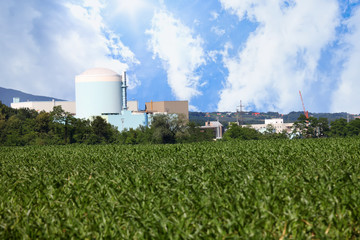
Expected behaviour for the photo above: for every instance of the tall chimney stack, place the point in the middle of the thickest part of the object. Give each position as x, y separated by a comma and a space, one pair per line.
124, 91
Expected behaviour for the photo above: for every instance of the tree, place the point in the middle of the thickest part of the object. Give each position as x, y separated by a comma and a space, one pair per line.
338, 128
42, 122
81, 131
62, 124
103, 131
270, 129
244, 133
6, 112
305, 126
311, 127
192, 133
323, 127
270, 133
165, 127
24, 126
26, 113
132, 137
13, 132
353, 128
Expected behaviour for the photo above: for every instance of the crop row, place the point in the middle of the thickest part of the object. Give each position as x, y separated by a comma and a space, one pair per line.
272, 189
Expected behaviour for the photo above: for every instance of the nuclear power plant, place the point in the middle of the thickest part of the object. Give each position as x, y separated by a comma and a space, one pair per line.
98, 91
103, 92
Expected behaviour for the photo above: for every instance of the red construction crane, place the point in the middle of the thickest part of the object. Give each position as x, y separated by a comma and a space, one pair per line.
306, 113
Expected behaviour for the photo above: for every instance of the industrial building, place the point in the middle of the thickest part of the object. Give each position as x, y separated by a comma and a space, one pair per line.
98, 91
277, 123
67, 106
216, 126
168, 107
46, 106
103, 92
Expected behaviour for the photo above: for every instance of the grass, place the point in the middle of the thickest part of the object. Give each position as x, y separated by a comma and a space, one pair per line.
277, 189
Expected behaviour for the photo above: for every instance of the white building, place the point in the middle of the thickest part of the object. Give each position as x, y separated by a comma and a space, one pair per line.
67, 106
274, 121
98, 91
103, 92
277, 123
216, 126
46, 106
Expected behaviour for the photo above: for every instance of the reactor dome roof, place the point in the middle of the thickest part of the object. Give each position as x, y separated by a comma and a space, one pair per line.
99, 72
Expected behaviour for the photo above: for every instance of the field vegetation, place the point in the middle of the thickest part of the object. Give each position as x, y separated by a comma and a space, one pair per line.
265, 189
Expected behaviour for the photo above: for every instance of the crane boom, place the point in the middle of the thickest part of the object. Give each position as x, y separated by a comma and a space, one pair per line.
306, 113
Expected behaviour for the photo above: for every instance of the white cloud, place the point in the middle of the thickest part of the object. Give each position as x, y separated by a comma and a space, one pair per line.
133, 81
214, 15
131, 6
218, 31
196, 22
44, 44
181, 53
281, 56
132, 9
347, 96
193, 108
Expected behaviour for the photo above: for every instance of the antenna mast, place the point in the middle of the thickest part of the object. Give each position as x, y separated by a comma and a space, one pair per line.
240, 121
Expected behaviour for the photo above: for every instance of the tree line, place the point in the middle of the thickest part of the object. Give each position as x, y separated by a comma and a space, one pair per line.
320, 127
19, 127
302, 128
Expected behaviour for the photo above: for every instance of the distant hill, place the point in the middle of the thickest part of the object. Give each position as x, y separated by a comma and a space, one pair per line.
7, 95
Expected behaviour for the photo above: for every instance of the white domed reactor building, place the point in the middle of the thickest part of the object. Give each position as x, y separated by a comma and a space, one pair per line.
102, 92
98, 92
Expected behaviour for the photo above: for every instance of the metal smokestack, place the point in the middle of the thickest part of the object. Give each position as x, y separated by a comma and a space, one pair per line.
124, 91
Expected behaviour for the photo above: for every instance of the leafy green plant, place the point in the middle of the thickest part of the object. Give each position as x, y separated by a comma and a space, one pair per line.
267, 189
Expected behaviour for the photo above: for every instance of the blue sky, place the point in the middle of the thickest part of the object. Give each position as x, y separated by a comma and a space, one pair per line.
213, 53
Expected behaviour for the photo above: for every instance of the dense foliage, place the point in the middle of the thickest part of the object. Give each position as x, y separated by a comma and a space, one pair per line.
316, 128
19, 127
247, 133
273, 189
303, 128
166, 129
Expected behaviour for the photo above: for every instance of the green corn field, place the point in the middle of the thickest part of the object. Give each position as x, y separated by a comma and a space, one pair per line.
274, 189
